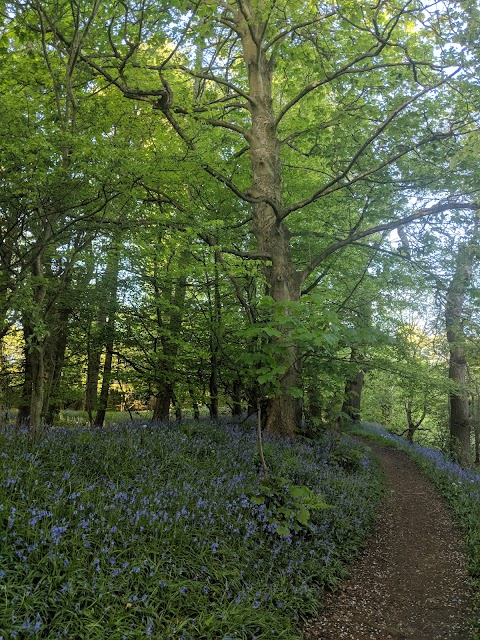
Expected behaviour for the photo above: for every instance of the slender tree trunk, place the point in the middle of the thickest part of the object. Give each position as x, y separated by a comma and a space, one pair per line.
54, 370
476, 424
460, 424
236, 397
111, 281
23, 414
411, 428
37, 345
195, 407
105, 390
215, 337
102, 335
477, 442
94, 354
413, 425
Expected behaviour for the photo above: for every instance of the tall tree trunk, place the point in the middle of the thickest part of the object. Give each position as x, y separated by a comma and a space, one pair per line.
195, 407
215, 337
105, 390
284, 282
108, 330
173, 291
460, 424
476, 423
102, 334
38, 387
23, 414
477, 442
94, 353
37, 345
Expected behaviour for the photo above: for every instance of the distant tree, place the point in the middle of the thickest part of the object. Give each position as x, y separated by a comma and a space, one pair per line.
455, 318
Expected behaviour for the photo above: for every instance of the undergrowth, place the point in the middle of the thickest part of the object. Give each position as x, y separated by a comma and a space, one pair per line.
148, 531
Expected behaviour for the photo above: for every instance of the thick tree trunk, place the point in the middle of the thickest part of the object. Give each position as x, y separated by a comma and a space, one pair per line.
38, 387
35, 344
460, 423
353, 392
284, 282
353, 396
163, 400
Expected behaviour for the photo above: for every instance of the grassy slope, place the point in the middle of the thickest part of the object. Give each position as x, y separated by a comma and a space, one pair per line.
142, 531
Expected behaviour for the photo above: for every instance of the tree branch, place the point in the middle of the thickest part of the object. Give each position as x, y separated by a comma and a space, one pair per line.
216, 79
388, 226
295, 27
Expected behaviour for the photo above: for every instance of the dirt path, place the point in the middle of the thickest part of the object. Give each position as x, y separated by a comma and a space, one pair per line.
411, 583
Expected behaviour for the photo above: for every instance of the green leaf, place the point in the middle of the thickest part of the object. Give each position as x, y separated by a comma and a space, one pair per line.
282, 529
303, 516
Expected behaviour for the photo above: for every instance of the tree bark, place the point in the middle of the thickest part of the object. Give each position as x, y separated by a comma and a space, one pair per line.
273, 238
353, 392
57, 349
476, 424
236, 395
23, 414
36, 345
94, 353
101, 337
460, 423
163, 400
173, 291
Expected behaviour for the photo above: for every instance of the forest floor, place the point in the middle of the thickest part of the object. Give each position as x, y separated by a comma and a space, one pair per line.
411, 582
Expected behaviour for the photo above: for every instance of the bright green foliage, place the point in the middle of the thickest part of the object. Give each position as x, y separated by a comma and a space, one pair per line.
289, 505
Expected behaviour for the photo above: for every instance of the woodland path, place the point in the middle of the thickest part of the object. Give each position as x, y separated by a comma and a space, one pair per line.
411, 583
